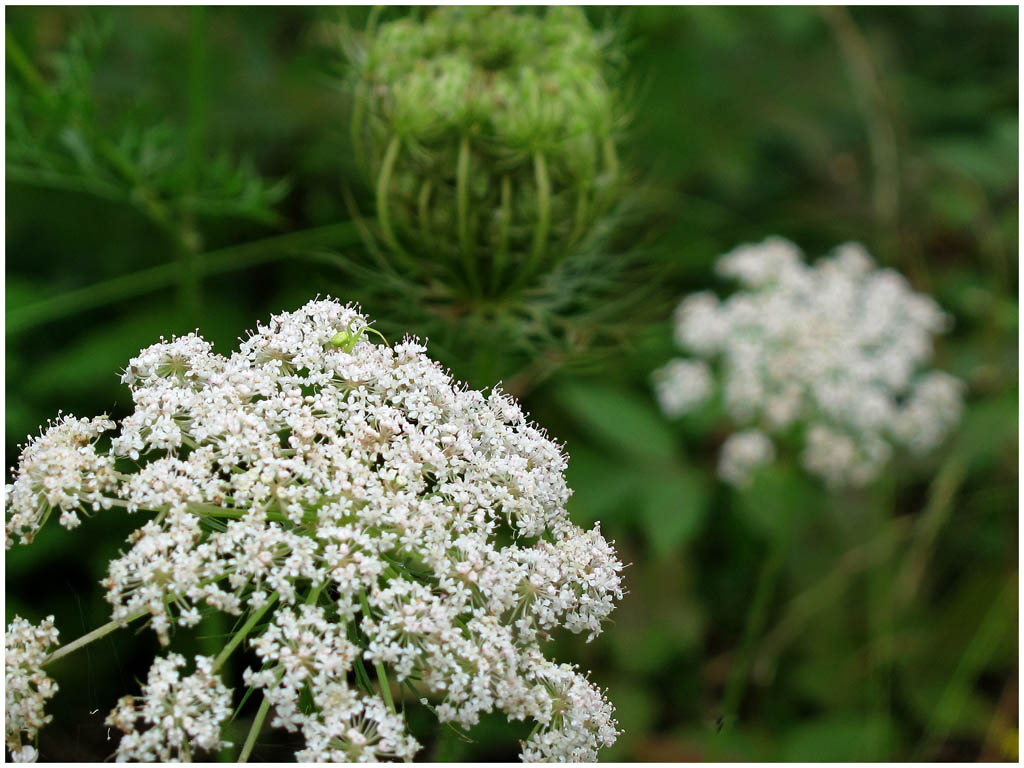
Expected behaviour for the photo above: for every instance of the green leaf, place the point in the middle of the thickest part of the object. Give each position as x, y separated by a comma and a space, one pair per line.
674, 508
989, 429
636, 712
780, 501
840, 738
660, 621
954, 710
996, 629
600, 487
619, 418
19, 292
95, 358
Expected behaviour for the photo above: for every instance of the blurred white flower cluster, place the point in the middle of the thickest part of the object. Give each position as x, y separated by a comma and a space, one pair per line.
384, 515
26, 686
833, 350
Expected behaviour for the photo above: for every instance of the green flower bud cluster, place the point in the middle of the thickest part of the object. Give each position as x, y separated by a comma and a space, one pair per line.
487, 136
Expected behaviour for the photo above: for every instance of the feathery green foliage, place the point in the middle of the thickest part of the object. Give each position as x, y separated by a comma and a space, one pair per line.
60, 134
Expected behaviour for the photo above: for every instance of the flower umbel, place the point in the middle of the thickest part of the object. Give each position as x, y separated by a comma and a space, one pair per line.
834, 349
181, 714
392, 527
62, 470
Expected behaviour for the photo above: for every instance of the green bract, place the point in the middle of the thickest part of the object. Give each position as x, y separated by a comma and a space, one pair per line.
488, 138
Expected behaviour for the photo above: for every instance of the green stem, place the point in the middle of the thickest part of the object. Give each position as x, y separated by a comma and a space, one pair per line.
424, 210
998, 621
383, 211
883, 144
254, 730
826, 591
577, 227
385, 686
940, 506
212, 510
197, 92
215, 629
372, 18
382, 677
314, 593
356, 126
485, 361
85, 639
766, 582
44, 178
611, 160
241, 634
149, 280
449, 746
540, 234
462, 212
879, 604
24, 67
611, 163
504, 224
188, 270
196, 139
361, 674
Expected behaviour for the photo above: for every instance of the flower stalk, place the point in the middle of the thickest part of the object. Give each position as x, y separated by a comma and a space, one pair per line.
89, 637
254, 731
244, 631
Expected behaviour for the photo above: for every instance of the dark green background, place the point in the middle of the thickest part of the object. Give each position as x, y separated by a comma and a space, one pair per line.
894, 127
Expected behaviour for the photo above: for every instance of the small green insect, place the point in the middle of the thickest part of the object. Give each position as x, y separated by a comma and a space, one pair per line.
348, 339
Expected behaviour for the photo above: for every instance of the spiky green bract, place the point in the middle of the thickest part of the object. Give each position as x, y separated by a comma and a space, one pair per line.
487, 137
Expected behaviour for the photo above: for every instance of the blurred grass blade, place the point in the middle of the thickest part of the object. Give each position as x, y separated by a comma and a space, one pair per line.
1000, 618
147, 280
826, 592
940, 504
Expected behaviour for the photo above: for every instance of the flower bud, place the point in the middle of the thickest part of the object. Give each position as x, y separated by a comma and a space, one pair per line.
487, 137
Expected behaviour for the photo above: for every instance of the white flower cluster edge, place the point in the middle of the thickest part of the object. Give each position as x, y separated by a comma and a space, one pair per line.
26, 685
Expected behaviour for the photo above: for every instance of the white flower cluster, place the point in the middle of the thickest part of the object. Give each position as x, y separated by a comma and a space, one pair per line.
62, 470
26, 686
833, 349
426, 521
304, 650
181, 714
576, 718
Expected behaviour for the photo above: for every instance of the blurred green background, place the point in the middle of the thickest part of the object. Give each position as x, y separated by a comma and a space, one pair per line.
169, 169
